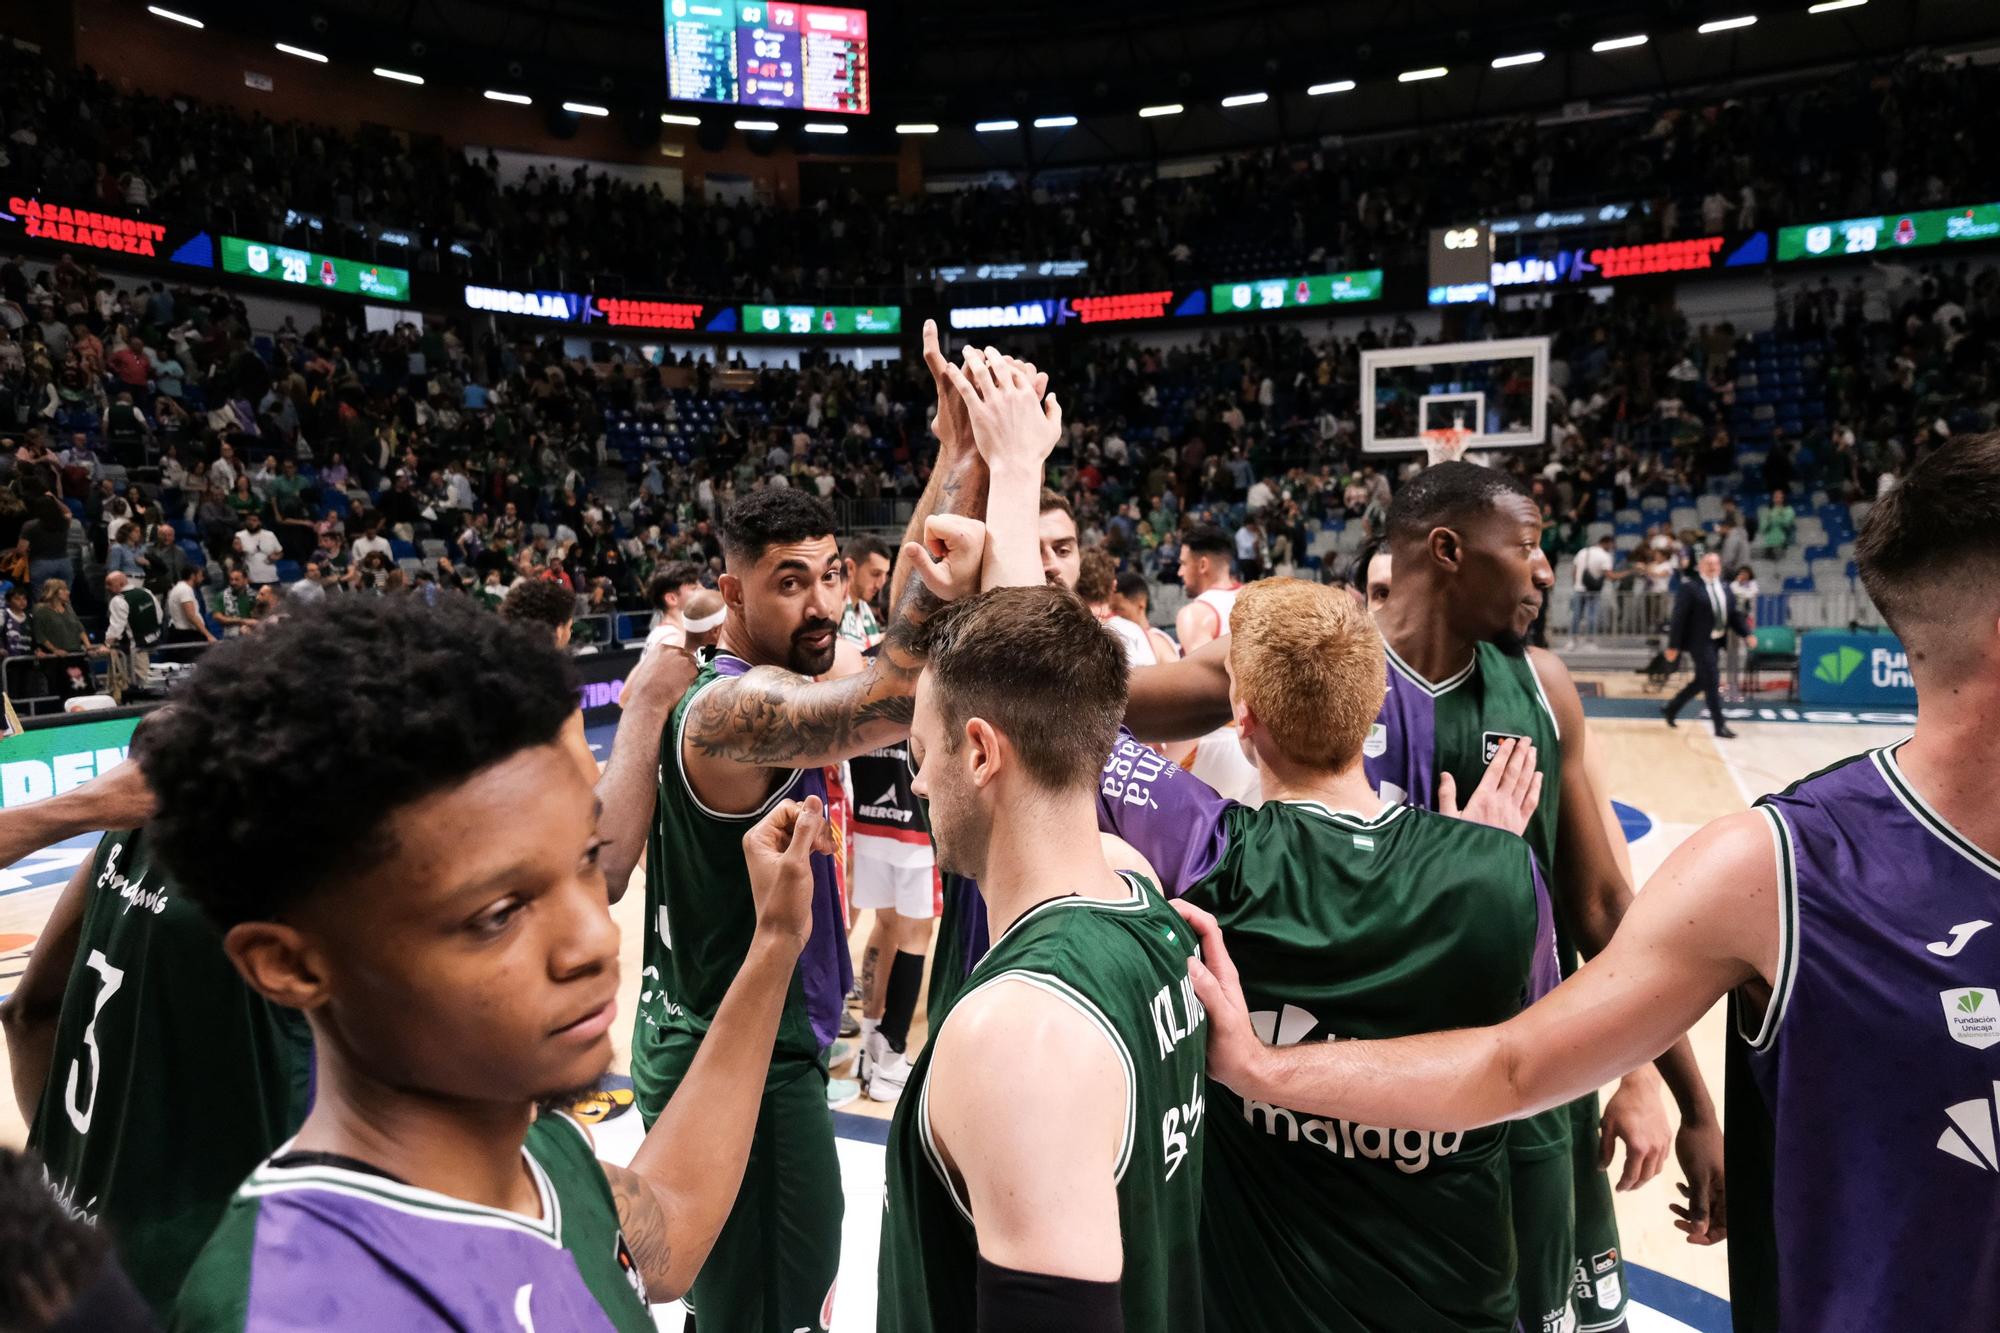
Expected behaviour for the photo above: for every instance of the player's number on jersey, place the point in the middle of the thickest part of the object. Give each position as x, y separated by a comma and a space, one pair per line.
110, 979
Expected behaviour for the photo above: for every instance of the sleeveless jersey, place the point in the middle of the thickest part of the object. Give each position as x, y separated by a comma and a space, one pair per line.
1223, 601
1454, 727
1864, 1176
700, 918
1345, 926
1123, 965
171, 1079
326, 1245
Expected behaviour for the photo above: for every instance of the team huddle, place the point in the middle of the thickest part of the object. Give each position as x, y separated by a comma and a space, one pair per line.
1273, 984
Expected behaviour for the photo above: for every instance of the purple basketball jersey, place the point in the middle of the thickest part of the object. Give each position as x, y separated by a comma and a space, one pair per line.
1877, 1063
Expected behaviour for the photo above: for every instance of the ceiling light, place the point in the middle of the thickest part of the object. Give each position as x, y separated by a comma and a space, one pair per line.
1246, 99
1724, 25
398, 75
1170, 109
300, 52
1419, 75
764, 126
169, 14
1337, 86
1525, 58
586, 109
995, 126
824, 127
673, 118
1054, 122
518, 99
1828, 6
1619, 43
917, 127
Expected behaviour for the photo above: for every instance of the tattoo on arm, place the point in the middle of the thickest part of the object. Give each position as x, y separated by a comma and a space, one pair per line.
643, 1220
774, 718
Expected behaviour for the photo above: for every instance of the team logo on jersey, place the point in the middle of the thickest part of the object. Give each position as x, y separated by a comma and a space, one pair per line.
607, 1102
1969, 1137
1489, 743
1973, 1016
1601, 1285
1960, 934
1377, 743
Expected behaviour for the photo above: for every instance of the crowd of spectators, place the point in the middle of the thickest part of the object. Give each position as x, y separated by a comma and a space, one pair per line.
1874, 137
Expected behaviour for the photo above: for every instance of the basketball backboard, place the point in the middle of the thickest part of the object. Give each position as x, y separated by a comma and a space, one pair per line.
1496, 390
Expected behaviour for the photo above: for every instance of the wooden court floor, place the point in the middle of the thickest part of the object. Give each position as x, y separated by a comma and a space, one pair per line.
1677, 780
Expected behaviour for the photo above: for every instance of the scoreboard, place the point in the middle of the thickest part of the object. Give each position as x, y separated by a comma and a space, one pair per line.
822, 319
754, 53
1284, 293
308, 268
1896, 231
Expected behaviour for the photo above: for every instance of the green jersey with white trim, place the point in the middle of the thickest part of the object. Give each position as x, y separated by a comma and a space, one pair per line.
1122, 965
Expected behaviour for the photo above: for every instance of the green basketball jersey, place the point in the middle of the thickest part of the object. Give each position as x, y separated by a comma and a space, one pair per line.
1345, 927
700, 918
314, 1241
171, 1079
1123, 965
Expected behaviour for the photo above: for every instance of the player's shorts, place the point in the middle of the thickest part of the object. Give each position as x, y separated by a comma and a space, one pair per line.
1545, 1237
1598, 1279
773, 1266
891, 873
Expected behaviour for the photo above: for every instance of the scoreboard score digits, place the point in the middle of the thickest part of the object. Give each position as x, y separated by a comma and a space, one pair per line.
758, 53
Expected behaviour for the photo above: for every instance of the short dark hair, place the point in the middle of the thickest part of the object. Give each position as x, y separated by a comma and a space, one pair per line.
405, 700
1054, 503
773, 516
1937, 534
671, 578
1207, 539
1444, 494
863, 547
1358, 576
1003, 655
1132, 586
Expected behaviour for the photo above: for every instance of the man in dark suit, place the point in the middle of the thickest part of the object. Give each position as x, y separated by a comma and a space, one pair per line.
1703, 617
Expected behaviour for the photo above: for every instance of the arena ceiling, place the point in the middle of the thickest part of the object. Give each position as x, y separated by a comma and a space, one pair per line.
955, 64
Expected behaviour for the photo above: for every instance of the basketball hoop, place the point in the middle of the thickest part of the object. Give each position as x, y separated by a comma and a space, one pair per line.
1446, 445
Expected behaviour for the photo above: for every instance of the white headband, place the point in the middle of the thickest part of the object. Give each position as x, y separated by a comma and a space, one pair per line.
703, 624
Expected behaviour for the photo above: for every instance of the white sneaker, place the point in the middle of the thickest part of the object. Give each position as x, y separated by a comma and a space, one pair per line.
887, 1075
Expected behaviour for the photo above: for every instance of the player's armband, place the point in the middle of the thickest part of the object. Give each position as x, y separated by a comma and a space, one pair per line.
1011, 1301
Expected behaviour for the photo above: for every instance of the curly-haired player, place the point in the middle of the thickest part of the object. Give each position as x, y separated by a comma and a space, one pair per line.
412, 862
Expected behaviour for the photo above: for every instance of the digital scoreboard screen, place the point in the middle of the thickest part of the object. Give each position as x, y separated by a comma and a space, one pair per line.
1894, 231
1285, 293
308, 268
753, 53
822, 319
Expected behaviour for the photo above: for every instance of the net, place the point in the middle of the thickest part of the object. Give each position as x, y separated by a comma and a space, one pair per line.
1446, 444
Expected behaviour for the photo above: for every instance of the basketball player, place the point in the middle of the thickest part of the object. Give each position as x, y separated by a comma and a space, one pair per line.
866, 562
1210, 580
1133, 601
152, 1079
1353, 917
701, 619
1067, 1198
543, 603
756, 728
667, 592
1469, 578
1372, 570
444, 929
1847, 919
1096, 585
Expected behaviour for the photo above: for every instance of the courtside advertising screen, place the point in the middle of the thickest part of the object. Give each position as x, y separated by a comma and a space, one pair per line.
750, 53
822, 319
111, 233
1893, 231
306, 268
1229, 298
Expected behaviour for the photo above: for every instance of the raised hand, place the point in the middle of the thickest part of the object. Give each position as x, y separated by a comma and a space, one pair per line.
948, 560
952, 427
1013, 424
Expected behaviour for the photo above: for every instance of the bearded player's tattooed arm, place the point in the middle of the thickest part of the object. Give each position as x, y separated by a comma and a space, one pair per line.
683, 1181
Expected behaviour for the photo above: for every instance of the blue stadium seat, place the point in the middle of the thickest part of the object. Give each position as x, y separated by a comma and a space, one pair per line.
290, 571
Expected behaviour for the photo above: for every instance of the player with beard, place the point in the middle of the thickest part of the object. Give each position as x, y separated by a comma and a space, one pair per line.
445, 930
753, 730
1468, 581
